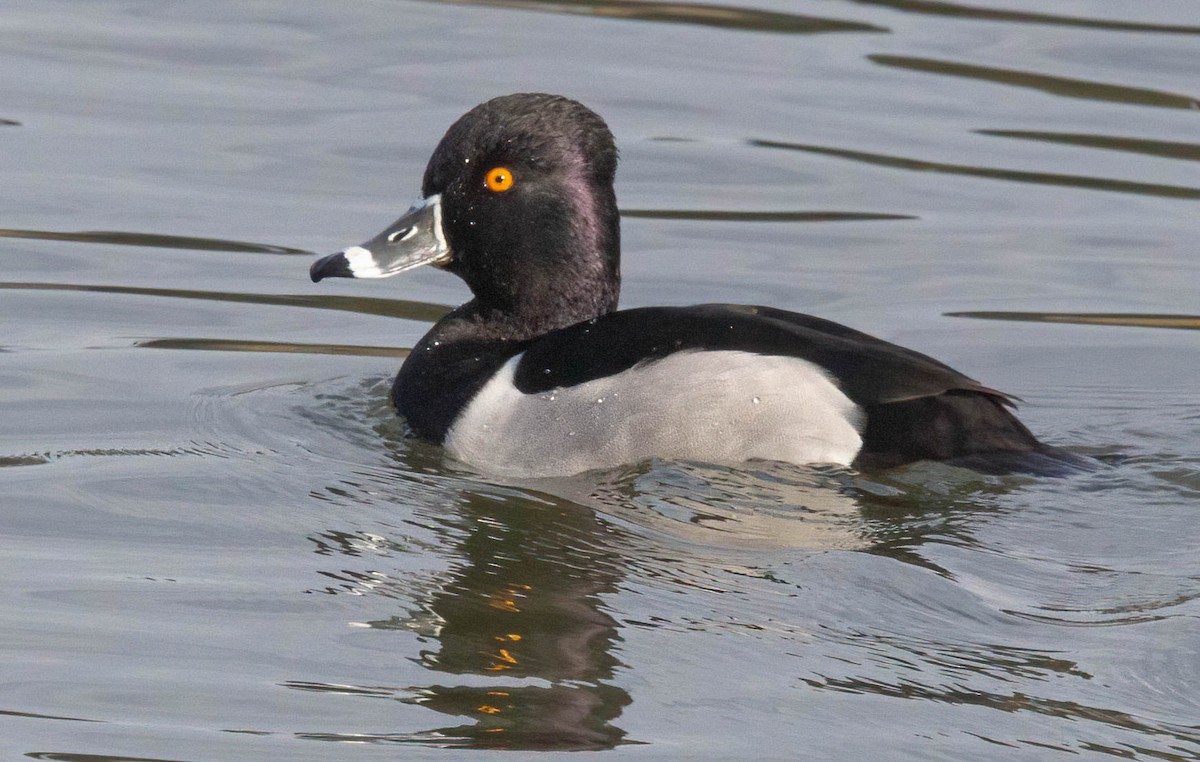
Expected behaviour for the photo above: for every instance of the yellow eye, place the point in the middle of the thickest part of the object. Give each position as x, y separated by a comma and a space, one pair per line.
499, 179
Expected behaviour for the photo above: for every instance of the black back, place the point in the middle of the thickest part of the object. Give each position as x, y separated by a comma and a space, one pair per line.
916, 407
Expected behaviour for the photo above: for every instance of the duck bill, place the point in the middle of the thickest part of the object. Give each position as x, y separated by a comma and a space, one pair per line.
413, 240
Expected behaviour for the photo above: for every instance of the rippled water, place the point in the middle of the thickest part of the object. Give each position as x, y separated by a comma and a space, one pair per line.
219, 544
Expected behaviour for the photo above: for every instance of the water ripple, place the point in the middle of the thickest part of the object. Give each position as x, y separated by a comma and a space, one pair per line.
287, 347
39, 716
65, 756
955, 10
712, 215
1017, 702
398, 308
1164, 148
150, 239
42, 458
1064, 86
1138, 320
719, 16
1011, 175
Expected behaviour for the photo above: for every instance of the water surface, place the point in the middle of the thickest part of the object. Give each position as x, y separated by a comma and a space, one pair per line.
220, 544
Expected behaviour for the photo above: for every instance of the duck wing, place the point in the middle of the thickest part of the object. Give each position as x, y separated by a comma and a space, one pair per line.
916, 407
869, 370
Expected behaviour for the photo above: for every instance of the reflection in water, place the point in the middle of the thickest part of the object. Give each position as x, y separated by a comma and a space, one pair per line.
521, 616
711, 215
758, 505
523, 610
1191, 322
905, 509
523, 604
955, 10
1018, 702
1070, 88
235, 345
42, 458
559, 717
721, 16
1164, 148
398, 308
1039, 178
70, 756
8, 461
521, 648
38, 716
151, 239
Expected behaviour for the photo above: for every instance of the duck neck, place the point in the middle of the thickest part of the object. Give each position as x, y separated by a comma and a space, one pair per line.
560, 267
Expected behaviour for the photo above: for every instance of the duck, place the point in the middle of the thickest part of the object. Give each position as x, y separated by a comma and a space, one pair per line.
540, 374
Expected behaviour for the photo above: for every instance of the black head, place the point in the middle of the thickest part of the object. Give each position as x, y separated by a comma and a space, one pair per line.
520, 193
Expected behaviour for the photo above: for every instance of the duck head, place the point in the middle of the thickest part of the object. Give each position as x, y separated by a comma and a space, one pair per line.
518, 201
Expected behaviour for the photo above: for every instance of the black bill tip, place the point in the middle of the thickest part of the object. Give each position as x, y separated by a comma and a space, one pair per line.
332, 266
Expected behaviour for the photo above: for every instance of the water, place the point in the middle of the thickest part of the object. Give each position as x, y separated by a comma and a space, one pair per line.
220, 545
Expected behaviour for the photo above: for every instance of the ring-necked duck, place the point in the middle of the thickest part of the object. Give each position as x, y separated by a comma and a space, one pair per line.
540, 375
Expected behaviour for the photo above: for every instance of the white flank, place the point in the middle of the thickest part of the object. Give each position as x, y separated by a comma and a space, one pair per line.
711, 406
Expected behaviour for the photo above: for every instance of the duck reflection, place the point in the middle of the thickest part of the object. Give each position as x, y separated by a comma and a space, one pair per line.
521, 617
524, 609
